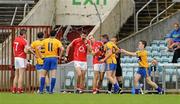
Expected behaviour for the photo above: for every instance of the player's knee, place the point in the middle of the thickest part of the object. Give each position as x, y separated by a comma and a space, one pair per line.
109, 76
79, 74
136, 80
148, 81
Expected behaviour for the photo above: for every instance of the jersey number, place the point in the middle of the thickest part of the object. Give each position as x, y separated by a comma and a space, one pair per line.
50, 46
16, 45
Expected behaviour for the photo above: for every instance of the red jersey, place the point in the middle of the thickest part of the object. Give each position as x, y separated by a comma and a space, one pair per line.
18, 47
80, 50
96, 49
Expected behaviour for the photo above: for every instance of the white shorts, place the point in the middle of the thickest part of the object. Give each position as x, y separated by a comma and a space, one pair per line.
80, 64
99, 67
20, 63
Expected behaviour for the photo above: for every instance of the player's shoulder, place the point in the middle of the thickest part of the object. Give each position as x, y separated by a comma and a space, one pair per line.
145, 51
46, 39
35, 42
109, 44
76, 40
99, 42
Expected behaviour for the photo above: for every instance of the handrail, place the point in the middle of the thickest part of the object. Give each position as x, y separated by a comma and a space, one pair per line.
161, 13
140, 11
25, 7
67, 31
134, 10
99, 16
16, 2
14, 15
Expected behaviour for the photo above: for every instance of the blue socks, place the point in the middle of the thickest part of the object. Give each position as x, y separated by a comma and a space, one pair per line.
116, 88
42, 83
53, 82
47, 88
159, 89
137, 91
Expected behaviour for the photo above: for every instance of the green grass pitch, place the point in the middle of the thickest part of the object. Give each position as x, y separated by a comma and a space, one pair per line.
8, 98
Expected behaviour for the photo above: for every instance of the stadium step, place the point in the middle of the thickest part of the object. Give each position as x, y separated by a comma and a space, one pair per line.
7, 12
146, 15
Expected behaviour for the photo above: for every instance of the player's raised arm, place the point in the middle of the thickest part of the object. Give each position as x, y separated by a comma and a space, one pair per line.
128, 53
89, 46
28, 49
107, 56
61, 51
68, 48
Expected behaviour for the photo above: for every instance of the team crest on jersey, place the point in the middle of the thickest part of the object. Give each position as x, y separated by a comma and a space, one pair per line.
81, 49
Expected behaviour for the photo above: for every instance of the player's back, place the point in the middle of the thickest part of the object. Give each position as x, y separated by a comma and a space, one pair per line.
19, 45
143, 58
38, 47
111, 46
51, 46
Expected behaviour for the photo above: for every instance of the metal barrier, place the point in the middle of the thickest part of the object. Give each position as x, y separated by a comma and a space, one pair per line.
168, 78
7, 35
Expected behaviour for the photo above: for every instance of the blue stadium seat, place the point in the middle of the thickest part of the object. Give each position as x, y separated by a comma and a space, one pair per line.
169, 71
134, 59
90, 74
164, 54
179, 60
174, 78
129, 60
104, 83
150, 54
162, 48
90, 81
126, 56
130, 74
69, 78
148, 48
123, 60
150, 59
68, 82
165, 60
155, 43
156, 54
155, 48
70, 74
168, 78
127, 82
163, 43
170, 54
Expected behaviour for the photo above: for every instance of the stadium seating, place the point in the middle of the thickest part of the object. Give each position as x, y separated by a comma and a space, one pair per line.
158, 50
7, 10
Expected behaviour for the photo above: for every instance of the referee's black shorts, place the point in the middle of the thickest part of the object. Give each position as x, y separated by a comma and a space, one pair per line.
118, 71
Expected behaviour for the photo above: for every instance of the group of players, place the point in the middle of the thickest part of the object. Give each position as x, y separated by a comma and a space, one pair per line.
105, 57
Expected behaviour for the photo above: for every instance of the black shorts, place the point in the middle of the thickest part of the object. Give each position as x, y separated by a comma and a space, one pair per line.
118, 71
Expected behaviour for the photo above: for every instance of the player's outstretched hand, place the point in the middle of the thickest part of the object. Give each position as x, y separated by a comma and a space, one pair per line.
122, 50
102, 60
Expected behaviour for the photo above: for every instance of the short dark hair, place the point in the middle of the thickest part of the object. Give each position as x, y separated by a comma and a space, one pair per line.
23, 31
40, 35
144, 43
53, 33
105, 36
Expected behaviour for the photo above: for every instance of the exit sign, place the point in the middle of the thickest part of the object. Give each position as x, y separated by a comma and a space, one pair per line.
89, 2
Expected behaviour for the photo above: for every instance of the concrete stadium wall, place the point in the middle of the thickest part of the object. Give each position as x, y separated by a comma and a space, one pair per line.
78, 12
155, 32
114, 19
43, 13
